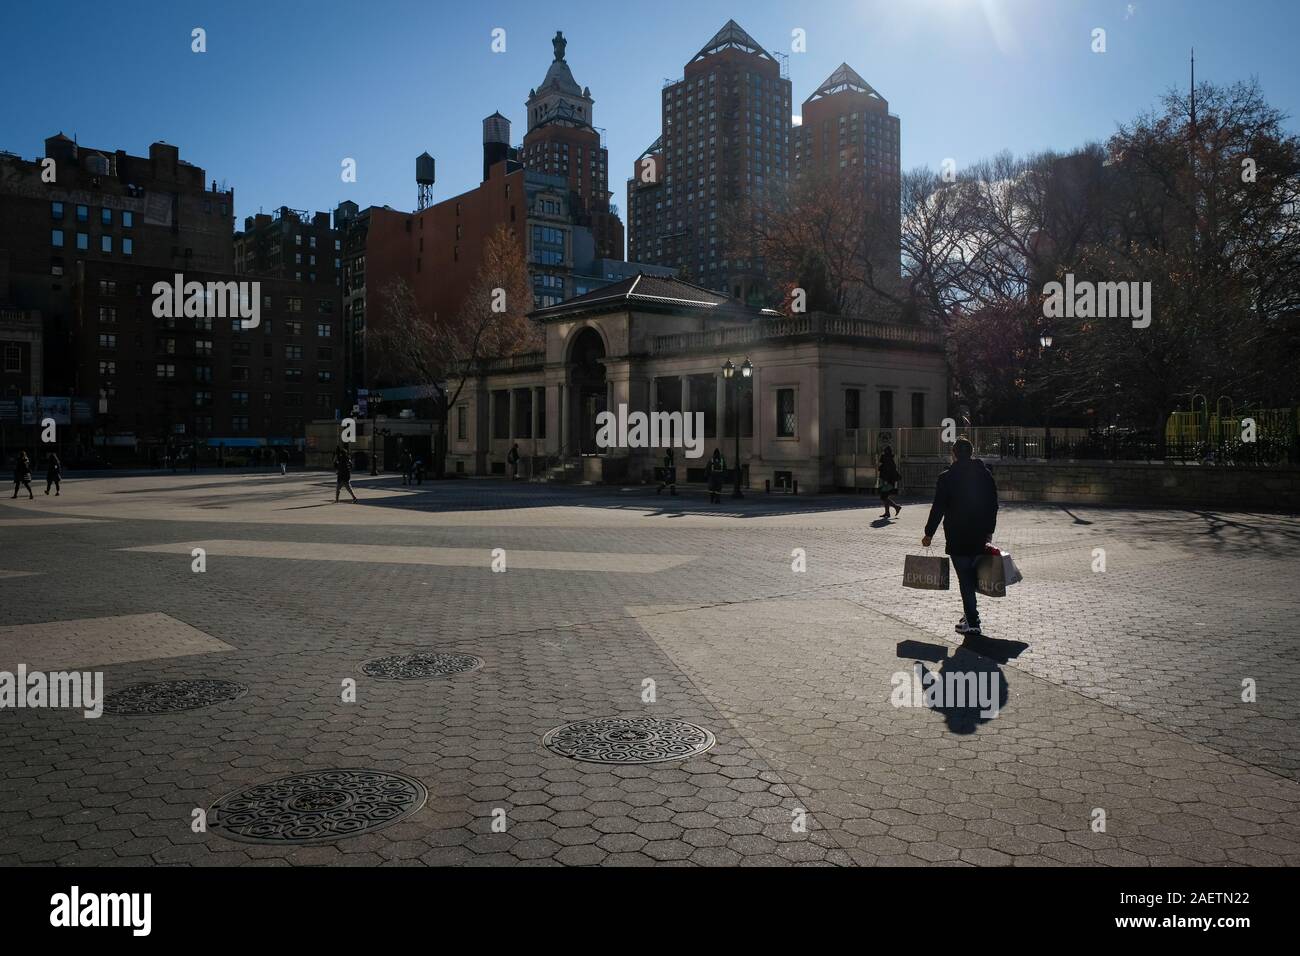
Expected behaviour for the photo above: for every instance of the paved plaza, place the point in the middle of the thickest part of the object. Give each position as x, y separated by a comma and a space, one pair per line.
320, 728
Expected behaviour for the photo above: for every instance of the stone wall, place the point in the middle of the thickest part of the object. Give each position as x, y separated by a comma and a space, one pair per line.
1274, 489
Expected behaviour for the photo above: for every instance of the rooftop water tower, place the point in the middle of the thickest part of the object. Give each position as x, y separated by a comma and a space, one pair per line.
424, 177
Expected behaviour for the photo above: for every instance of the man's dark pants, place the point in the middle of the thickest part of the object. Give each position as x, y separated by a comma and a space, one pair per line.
964, 565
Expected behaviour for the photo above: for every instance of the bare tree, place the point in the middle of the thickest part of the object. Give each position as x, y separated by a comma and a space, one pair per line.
442, 353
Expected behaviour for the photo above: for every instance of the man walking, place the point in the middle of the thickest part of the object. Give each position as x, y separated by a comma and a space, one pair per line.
53, 474
966, 501
343, 475
23, 474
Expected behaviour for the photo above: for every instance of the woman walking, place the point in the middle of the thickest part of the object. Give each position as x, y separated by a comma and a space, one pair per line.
887, 478
717, 465
343, 475
54, 474
23, 474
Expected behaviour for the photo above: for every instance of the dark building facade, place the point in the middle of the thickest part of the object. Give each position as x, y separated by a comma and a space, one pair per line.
173, 380
290, 244
725, 138
78, 205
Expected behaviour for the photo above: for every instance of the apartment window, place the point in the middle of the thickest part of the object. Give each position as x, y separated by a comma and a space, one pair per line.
239, 399
325, 355
56, 238
202, 346
108, 341
83, 241
128, 246
203, 373
164, 370
787, 418
295, 304
203, 323
166, 346
239, 373
886, 409
83, 214
105, 368
106, 244
239, 423
14, 359
56, 210
293, 352
293, 375
324, 330
128, 218
852, 408
107, 287
202, 399
918, 409
106, 217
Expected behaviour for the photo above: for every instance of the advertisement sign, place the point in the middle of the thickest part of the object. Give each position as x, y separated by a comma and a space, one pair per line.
38, 407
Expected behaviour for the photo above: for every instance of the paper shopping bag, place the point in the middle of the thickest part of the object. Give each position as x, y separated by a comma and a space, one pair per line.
926, 572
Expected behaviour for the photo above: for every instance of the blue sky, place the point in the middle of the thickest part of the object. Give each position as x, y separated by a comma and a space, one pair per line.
287, 89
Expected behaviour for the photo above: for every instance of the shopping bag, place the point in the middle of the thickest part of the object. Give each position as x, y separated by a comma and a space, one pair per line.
926, 572
995, 572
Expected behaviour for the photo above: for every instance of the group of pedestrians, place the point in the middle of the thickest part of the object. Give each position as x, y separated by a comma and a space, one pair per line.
23, 474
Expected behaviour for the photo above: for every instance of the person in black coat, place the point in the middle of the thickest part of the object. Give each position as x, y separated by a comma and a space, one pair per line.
887, 478
53, 474
343, 474
23, 474
717, 466
966, 501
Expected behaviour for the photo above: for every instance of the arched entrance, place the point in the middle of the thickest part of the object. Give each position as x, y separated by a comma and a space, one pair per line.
587, 376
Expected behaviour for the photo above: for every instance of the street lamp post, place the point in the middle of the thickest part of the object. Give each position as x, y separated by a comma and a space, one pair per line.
729, 373
374, 411
1045, 343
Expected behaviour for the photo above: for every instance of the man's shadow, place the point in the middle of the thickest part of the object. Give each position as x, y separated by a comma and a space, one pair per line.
969, 688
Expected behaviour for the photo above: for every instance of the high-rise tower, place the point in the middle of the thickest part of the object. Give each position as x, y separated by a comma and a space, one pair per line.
725, 136
562, 141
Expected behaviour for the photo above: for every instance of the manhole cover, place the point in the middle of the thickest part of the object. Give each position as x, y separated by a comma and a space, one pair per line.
316, 807
629, 740
420, 666
171, 696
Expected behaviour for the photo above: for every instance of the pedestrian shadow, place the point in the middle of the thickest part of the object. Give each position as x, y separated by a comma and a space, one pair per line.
969, 688
882, 523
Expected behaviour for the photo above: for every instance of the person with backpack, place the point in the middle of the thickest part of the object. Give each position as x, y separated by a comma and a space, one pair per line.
23, 474
53, 474
512, 459
966, 501
343, 475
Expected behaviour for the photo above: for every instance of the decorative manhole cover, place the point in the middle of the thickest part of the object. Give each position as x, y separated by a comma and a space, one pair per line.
316, 807
629, 740
171, 696
420, 666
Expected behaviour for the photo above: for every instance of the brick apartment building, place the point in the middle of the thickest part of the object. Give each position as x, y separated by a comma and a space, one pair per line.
290, 244
83, 249
725, 138
848, 134
77, 204
182, 379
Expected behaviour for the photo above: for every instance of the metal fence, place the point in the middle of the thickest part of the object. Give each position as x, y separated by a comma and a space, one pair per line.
1013, 443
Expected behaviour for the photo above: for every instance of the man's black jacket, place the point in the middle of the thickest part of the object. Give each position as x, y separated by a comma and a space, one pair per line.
966, 500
